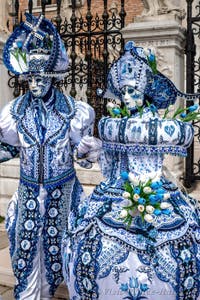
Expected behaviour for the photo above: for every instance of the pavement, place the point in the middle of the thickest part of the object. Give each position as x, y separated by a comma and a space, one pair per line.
7, 281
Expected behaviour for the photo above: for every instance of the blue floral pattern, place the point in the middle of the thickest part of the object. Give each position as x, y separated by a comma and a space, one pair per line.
142, 261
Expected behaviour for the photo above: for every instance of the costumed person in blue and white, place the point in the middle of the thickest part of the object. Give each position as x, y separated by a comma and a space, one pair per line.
47, 127
138, 235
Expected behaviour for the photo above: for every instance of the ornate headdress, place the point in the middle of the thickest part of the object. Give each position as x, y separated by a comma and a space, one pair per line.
136, 69
35, 47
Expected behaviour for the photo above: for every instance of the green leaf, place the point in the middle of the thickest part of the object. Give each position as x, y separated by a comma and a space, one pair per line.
178, 112
125, 112
166, 113
128, 188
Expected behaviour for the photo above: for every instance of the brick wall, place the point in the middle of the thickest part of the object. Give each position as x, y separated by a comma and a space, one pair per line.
132, 8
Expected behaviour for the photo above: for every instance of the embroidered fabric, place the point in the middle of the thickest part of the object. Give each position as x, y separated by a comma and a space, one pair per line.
41, 218
106, 258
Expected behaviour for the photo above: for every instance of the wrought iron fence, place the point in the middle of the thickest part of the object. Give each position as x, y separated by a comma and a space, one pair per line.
192, 165
92, 42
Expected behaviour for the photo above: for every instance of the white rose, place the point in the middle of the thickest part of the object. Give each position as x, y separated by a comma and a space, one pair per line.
110, 105
123, 214
150, 209
147, 190
140, 208
126, 195
166, 196
148, 218
164, 205
136, 197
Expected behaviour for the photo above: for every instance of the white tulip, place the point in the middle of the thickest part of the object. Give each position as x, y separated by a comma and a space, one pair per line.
123, 214
136, 197
126, 195
166, 196
132, 213
139, 102
146, 51
148, 218
133, 179
140, 208
150, 209
171, 107
127, 202
143, 179
164, 205
147, 190
152, 175
110, 105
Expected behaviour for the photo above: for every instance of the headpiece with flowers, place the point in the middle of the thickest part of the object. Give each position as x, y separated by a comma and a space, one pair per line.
35, 47
137, 67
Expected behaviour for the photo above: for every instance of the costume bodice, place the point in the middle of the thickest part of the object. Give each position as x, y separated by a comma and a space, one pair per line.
137, 144
48, 161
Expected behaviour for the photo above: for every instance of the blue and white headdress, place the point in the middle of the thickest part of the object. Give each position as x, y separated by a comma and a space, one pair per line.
137, 69
35, 47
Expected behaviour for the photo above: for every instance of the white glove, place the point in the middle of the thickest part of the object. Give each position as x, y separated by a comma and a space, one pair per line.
89, 148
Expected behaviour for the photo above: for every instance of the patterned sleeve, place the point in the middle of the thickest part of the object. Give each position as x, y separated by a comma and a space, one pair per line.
8, 128
82, 127
83, 122
7, 152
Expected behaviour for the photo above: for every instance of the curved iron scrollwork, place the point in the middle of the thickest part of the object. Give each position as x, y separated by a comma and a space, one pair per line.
192, 165
92, 42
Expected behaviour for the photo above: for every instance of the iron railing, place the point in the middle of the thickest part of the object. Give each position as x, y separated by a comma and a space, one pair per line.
192, 164
90, 40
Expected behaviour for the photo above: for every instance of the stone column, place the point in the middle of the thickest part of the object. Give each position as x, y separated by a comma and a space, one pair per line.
5, 91
166, 35
6, 184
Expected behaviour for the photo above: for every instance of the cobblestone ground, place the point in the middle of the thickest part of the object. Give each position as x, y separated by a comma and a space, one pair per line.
6, 293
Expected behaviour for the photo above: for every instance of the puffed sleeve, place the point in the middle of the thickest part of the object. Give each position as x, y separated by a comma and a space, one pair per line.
86, 147
83, 122
8, 128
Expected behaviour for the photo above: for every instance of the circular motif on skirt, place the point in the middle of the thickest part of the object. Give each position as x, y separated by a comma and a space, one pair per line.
87, 284
56, 267
86, 258
52, 231
58, 281
31, 204
21, 263
53, 249
189, 282
53, 212
56, 194
25, 244
29, 224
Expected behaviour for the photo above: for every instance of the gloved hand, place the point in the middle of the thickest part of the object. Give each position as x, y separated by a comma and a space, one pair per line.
89, 149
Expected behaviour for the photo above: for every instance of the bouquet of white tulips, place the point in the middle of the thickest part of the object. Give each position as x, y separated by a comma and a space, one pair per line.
144, 195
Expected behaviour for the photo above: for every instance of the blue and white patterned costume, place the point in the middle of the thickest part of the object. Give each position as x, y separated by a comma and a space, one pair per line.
104, 259
38, 213
46, 130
